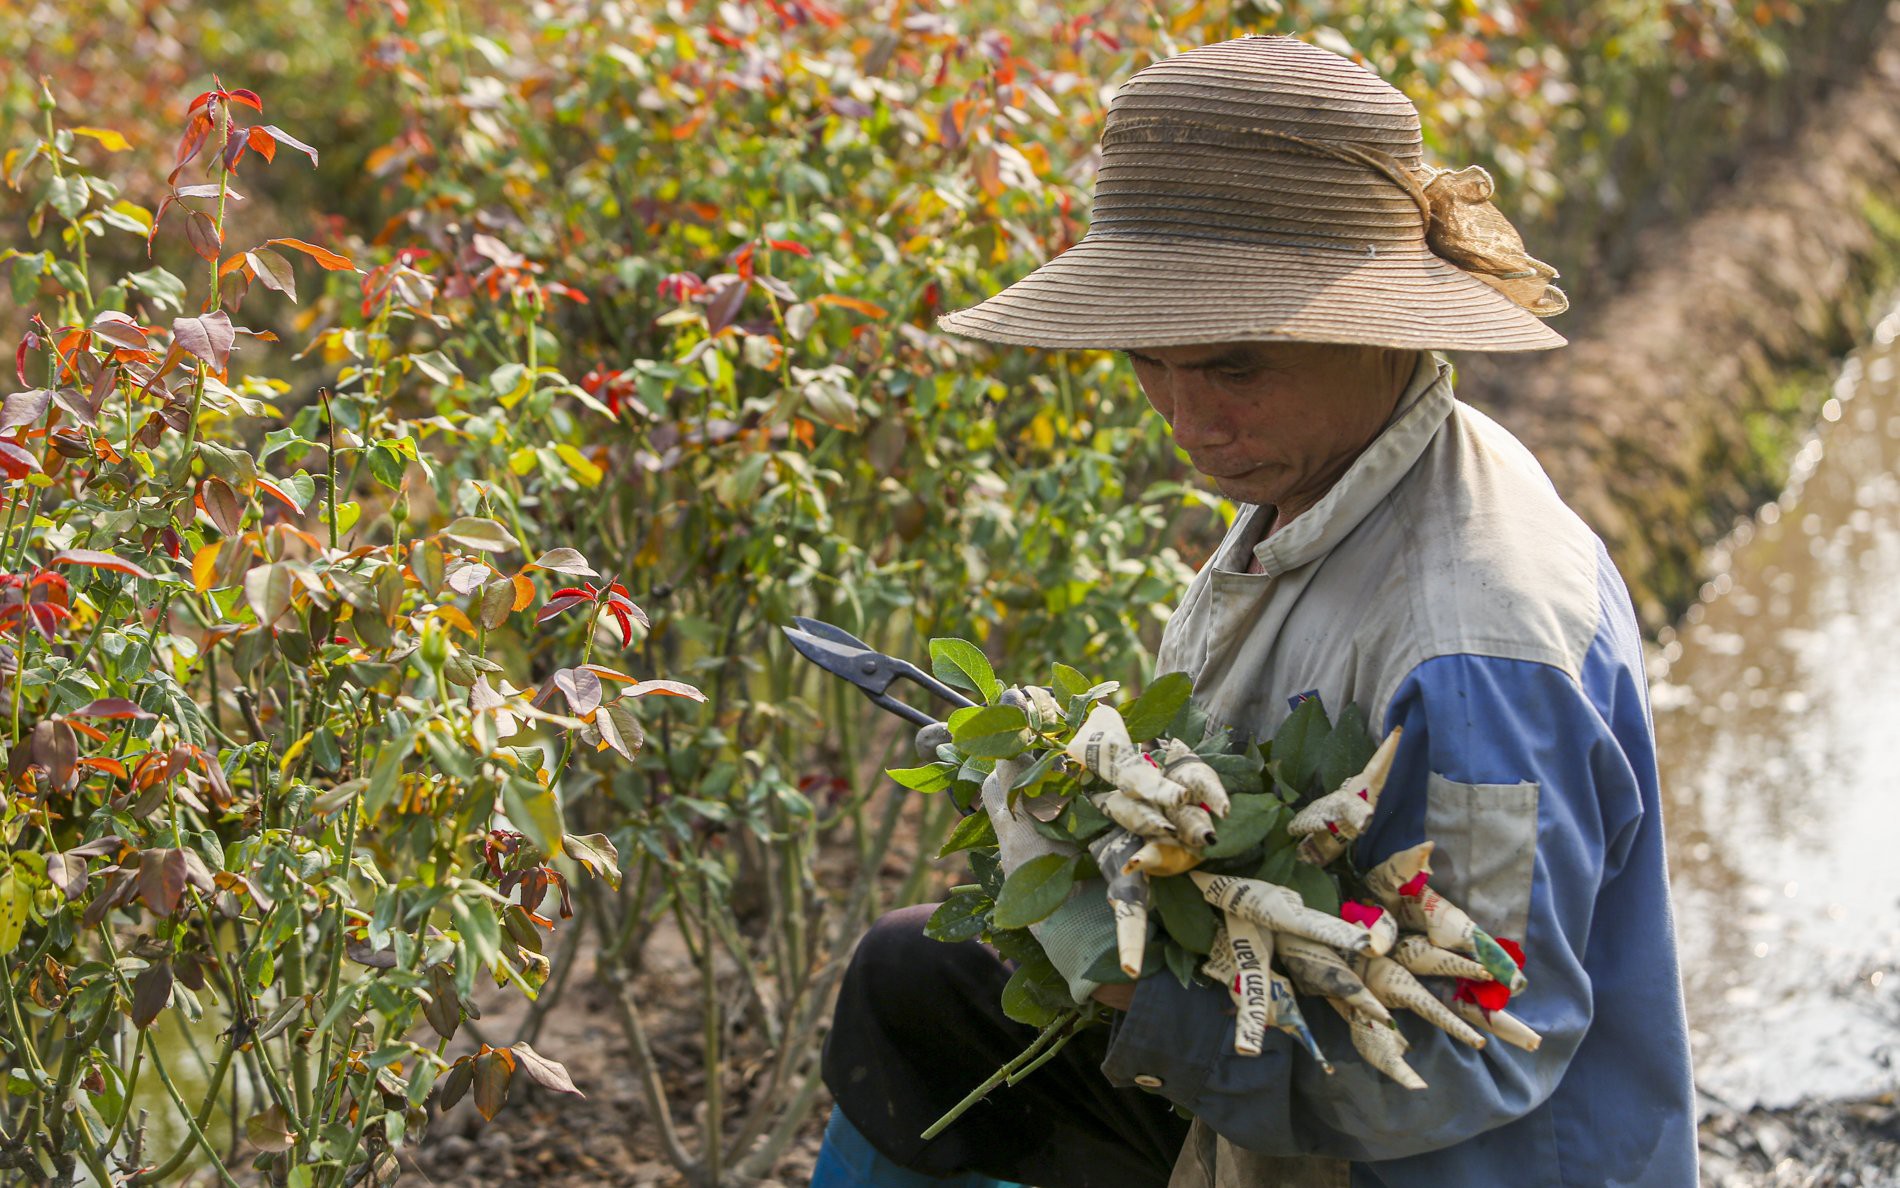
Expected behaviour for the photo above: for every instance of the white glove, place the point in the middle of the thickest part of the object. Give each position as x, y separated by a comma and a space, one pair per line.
1016, 838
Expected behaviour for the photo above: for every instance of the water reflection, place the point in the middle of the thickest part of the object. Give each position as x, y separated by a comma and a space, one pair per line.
1778, 718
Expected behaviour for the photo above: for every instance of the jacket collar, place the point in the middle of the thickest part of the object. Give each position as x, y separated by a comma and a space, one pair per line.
1423, 407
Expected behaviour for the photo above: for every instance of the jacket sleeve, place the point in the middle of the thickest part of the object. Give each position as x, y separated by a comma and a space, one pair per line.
1533, 800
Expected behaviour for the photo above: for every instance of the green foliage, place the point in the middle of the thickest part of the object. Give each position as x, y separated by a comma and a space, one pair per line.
642, 285
268, 786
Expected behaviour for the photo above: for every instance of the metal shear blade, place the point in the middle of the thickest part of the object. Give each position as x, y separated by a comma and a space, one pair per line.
843, 654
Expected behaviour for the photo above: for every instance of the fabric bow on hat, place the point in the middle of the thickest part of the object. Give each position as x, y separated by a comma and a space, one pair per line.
1464, 228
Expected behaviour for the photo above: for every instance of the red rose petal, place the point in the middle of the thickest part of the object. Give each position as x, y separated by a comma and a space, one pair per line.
1487, 996
1363, 914
1513, 948
1415, 886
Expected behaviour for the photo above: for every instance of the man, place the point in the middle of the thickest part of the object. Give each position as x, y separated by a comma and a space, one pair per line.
1280, 268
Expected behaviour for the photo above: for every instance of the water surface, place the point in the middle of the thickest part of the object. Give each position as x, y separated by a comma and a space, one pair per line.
1778, 722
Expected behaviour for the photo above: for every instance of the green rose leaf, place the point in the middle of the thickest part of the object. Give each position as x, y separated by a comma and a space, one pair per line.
1246, 826
1297, 743
990, 731
964, 916
932, 777
1316, 887
1346, 750
1184, 913
1034, 890
1035, 994
961, 663
974, 830
1155, 710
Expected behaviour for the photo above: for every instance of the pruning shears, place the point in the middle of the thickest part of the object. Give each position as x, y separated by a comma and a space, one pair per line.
843, 654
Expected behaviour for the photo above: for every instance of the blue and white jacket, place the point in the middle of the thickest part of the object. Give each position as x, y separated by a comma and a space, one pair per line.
1444, 587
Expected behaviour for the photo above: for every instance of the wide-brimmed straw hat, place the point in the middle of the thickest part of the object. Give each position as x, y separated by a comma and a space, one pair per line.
1266, 189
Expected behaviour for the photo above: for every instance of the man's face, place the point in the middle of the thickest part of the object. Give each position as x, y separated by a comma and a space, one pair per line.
1273, 422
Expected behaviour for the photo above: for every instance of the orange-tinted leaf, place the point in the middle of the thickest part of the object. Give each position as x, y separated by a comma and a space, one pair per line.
277, 492
111, 141
261, 143
851, 303
247, 98
104, 763
94, 559
323, 256
493, 1071
204, 567
524, 592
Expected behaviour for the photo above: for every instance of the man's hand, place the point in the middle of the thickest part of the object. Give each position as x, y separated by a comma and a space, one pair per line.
1116, 995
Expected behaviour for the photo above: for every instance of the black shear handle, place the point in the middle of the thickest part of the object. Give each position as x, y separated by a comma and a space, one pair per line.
909, 713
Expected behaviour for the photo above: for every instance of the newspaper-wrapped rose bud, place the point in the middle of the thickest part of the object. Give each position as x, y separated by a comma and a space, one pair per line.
1402, 883
1158, 859
1288, 1017
1136, 816
1180, 764
1127, 896
1386, 879
1383, 925
1252, 947
1318, 969
1102, 745
1422, 957
1192, 825
1393, 985
1329, 823
1281, 909
1381, 1044
1501, 1023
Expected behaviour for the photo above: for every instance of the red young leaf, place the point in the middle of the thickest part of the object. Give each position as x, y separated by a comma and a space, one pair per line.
202, 234
113, 707
788, 245
261, 143
560, 603
30, 341
549, 1074
16, 462
94, 559
247, 98
208, 337
724, 306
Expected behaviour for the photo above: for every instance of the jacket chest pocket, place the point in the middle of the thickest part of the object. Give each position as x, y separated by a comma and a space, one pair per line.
1486, 857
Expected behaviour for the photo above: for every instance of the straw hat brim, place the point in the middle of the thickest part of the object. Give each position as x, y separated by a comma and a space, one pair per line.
1123, 292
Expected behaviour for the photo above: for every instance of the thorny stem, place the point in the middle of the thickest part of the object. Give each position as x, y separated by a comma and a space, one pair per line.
1024, 1063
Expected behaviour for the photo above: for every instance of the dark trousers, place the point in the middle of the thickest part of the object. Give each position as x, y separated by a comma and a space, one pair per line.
919, 1024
